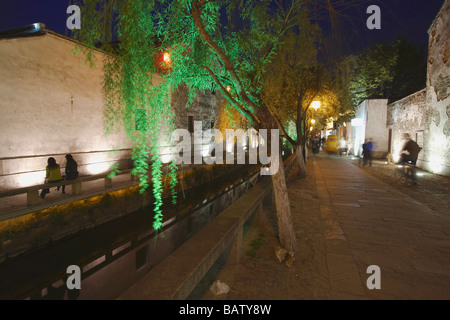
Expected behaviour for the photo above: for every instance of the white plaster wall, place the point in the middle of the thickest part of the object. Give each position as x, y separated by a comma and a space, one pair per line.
51, 104
359, 132
376, 116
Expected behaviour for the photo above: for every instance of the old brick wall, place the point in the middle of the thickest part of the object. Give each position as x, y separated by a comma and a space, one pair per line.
437, 127
425, 114
407, 116
204, 107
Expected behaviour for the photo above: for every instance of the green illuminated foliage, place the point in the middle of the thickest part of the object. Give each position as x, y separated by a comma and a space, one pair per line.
154, 47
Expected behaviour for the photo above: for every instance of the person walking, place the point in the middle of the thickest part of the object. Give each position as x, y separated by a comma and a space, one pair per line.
364, 153
369, 148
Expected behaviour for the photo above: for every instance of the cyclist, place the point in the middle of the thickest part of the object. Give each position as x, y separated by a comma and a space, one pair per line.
412, 150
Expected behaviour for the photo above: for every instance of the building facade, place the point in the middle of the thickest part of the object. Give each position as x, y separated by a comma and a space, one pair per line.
425, 114
437, 113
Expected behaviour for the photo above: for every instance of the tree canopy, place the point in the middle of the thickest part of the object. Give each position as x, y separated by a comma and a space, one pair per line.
387, 71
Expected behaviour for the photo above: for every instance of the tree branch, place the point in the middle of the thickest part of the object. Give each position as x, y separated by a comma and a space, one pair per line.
285, 134
248, 115
286, 25
196, 14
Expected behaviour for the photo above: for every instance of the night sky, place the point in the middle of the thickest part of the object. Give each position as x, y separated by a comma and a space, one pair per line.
410, 18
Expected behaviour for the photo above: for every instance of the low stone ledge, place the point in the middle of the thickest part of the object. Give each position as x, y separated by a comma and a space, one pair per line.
177, 275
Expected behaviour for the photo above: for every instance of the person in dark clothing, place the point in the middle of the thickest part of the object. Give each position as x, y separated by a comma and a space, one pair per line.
363, 154
410, 153
369, 148
71, 170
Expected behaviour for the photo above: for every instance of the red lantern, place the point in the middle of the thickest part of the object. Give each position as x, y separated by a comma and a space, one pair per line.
163, 61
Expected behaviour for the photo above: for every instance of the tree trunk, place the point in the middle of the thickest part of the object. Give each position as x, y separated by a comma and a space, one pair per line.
267, 121
284, 218
286, 232
301, 161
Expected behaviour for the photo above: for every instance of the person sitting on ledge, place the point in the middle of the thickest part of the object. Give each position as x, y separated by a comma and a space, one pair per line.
52, 174
71, 170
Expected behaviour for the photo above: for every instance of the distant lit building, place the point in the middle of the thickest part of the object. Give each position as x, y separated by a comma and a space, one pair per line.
370, 123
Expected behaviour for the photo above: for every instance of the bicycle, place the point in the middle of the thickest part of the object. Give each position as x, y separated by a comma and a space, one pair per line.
405, 172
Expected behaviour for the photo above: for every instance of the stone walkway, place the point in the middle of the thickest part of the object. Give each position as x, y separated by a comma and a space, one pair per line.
346, 220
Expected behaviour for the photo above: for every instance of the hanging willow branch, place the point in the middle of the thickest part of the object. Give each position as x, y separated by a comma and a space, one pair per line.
138, 87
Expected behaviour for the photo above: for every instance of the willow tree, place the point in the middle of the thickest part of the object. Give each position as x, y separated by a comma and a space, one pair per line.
203, 52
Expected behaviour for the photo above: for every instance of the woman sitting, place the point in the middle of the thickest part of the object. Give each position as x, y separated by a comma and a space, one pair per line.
52, 174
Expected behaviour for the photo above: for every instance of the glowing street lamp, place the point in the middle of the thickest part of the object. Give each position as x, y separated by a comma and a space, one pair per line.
315, 105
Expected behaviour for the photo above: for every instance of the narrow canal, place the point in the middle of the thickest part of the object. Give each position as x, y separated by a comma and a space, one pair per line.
114, 255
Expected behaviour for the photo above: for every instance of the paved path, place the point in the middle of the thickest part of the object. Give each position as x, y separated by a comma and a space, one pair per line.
367, 222
346, 220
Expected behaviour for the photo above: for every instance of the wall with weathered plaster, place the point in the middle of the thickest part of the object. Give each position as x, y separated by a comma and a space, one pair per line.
437, 129
204, 107
407, 116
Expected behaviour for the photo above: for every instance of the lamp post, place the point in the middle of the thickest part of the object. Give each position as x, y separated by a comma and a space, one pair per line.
315, 105
312, 124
